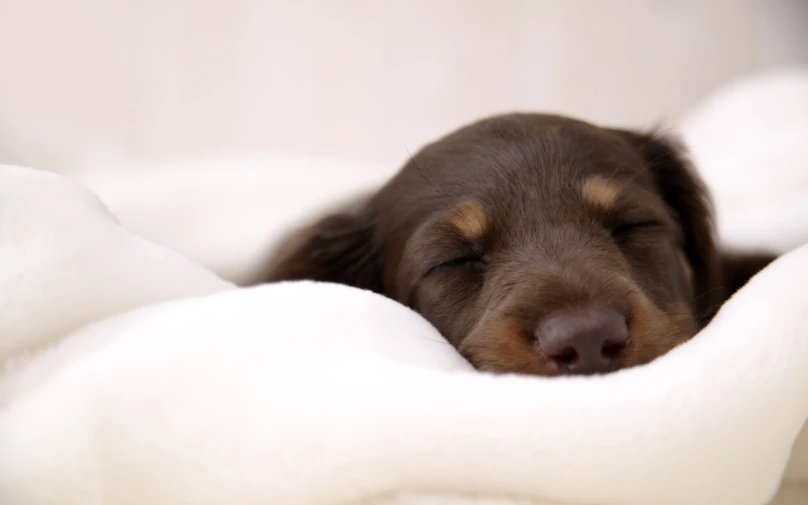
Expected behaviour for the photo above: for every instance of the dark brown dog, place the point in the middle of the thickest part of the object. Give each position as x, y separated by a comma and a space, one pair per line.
536, 244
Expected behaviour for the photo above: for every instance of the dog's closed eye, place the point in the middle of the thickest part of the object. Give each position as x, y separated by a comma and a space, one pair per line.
626, 229
472, 261
506, 225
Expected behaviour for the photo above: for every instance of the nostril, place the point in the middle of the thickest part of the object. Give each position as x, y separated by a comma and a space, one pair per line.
612, 350
584, 341
567, 356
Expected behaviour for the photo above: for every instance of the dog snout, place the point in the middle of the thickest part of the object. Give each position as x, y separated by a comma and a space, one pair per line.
584, 341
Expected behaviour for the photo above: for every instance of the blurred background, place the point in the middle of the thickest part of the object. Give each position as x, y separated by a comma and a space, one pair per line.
363, 79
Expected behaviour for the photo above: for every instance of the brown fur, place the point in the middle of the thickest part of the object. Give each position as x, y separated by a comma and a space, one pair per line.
497, 226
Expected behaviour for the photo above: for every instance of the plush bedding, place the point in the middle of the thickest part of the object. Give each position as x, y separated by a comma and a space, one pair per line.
130, 374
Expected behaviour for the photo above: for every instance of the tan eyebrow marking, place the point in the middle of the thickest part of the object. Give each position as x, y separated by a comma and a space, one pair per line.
600, 192
470, 220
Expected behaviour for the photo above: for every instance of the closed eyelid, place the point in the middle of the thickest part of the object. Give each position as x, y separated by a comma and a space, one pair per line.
635, 225
635, 205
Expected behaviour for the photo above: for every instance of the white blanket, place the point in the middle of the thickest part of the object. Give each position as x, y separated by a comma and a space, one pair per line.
131, 375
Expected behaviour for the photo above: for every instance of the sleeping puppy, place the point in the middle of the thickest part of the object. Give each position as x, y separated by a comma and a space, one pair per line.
535, 244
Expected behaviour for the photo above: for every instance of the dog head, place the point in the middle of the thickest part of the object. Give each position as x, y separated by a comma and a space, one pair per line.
534, 243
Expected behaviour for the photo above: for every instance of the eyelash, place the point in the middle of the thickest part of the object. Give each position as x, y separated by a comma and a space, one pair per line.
620, 231
463, 261
628, 228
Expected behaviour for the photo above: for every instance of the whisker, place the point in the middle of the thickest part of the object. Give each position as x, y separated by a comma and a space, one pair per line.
415, 164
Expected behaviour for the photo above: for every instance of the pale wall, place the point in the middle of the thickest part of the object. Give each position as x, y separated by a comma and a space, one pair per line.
368, 79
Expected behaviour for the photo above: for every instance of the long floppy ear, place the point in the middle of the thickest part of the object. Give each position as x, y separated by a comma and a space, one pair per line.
717, 274
686, 195
343, 247
738, 267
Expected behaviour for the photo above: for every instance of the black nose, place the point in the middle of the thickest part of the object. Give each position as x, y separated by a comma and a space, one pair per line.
584, 341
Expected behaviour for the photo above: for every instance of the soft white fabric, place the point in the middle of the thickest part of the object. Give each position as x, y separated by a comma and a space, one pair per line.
323, 394
226, 212
65, 261
750, 142
130, 375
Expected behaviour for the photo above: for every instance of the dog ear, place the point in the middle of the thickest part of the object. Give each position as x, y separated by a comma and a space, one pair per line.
686, 195
343, 247
738, 267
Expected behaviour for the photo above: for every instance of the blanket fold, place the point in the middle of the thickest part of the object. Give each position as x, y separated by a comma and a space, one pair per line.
195, 391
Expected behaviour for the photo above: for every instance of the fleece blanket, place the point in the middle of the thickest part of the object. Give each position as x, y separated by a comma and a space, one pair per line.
174, 387
129, 374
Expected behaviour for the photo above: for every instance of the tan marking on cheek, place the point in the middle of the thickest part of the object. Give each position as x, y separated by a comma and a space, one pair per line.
600, 192
470, 220
501, 347
646, 327
681, 315
654, 332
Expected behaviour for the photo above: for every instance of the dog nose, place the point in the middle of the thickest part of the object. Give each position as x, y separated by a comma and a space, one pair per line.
587, 341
